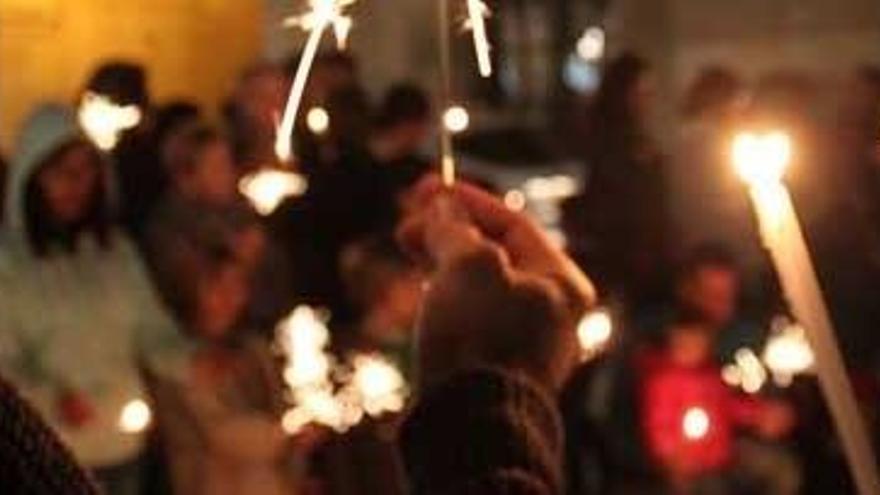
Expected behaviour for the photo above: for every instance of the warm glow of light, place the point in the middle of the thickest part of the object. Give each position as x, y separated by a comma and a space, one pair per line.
594, 331
695, 424
515, 200
267, 188
379, 384
478, 12
752, 372
104, 121
552, 188
788, 352
761, 159
456, 119
135, 417
322, 13
591, 45
323, 390
318, 120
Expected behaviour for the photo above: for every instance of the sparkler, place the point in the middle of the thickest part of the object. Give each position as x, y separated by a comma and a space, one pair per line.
322, 14
267, 188
761, 160
788, 352
104, 121
478, 12
325, 391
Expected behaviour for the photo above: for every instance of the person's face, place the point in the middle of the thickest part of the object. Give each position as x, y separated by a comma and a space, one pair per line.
213, 177
220, 303
413, 135
68, 184
642, 97
262, 98
690, 346
712, 292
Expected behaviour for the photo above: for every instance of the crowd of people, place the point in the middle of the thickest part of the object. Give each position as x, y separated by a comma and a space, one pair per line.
140, 281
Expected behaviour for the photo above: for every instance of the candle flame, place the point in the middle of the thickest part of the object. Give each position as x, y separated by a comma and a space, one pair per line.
761, 159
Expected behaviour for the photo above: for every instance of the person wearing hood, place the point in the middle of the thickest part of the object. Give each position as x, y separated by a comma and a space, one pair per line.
78, 315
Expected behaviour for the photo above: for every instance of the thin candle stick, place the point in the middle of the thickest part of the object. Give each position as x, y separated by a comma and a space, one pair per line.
447, 158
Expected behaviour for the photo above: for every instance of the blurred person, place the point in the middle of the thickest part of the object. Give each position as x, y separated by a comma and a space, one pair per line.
386, 290
623, 205
495, 344
252, 114
708, 201
402, 127
78, 314
220, 410
4, 175
682, 376
138, 176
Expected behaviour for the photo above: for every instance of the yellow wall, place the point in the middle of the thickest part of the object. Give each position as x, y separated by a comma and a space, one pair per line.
192, 48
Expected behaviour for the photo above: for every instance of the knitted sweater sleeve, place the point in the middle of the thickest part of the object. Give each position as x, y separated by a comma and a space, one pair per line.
484, 432
32, 460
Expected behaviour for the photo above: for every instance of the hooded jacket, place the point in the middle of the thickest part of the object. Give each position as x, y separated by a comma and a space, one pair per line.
75, 322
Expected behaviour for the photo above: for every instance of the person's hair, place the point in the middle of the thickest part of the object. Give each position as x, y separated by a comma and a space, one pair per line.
195, 138
173, 116
714, 87
368, 266
125, 83
403, 103
619, 79
707, 255
43, 230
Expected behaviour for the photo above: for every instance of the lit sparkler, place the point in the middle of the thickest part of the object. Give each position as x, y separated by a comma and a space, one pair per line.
323, 390
104, 121
267, 188
478, 12
322, 14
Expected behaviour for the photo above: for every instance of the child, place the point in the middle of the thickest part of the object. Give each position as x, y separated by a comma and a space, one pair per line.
689, 417
220, 410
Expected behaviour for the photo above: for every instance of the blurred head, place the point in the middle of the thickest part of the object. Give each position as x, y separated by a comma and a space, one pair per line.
384, 286
405, 118
220, 295
123, 82
715, 92
259, 96
202, 168
690, 344
66, 196
626, 91
172, 121
708, 287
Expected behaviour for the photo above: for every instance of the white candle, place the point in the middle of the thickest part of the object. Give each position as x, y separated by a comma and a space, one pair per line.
761, 160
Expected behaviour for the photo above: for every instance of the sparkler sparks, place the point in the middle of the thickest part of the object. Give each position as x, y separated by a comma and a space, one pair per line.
322, 14
478, 12
326, 392
267, 188
104, 121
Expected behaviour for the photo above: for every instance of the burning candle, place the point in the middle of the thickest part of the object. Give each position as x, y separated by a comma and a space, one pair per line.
760, 160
